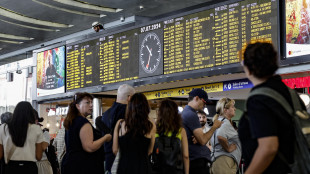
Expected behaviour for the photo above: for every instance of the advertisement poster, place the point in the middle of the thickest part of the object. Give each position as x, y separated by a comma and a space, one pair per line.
297, 27
51, 71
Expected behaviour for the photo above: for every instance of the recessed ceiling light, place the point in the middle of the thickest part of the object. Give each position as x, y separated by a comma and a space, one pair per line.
14, 15
9, 36
87, 5
26, 26
68, 10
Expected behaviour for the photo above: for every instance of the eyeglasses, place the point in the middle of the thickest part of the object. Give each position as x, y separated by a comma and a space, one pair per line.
204, 101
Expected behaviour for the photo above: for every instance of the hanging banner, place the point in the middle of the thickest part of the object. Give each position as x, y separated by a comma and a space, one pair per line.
237, 84
209, 88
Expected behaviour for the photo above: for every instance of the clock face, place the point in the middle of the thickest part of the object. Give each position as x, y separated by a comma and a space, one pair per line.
150, 53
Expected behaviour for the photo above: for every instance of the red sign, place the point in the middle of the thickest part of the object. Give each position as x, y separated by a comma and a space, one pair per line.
299, 82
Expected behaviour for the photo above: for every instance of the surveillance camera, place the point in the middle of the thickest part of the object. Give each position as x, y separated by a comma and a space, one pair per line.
122, 19
141, 7
19, 71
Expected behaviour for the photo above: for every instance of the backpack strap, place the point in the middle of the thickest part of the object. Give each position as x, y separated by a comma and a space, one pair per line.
276, 96
295, 100
283, 102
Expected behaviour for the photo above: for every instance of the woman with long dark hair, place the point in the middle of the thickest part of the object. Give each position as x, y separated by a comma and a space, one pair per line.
135, 137
21, 141
81, 142
169, 122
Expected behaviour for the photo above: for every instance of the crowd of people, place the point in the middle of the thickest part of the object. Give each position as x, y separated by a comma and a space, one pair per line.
127, 141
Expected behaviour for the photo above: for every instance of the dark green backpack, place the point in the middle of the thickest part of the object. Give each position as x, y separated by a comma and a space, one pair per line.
301, 123
167, 155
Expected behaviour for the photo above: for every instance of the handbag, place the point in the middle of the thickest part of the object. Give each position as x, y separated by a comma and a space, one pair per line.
115, 164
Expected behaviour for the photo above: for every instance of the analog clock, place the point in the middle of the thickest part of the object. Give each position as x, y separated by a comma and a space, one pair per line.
150, 53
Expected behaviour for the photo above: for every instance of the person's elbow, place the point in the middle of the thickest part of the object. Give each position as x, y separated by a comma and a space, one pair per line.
114, 150
185, 157
38, 156
89, 148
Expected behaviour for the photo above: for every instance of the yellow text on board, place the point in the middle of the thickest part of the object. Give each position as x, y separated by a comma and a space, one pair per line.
176, 92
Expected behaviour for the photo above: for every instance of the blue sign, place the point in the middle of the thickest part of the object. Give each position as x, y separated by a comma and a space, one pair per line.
237, 84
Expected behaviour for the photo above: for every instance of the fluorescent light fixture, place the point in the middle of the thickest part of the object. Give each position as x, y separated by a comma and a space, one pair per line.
305, 98
26, 26
12, 42
206, 111
16, 16
86, 5
69, 11
8, 36
180, 109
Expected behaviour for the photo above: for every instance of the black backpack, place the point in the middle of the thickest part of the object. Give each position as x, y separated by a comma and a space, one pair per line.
301, 123
167, 155
52, 158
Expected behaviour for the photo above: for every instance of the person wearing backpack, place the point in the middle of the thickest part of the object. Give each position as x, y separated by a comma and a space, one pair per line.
265, 129
170, 154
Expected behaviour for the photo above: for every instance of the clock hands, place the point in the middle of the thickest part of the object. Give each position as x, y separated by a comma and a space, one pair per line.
148, 63
149, 50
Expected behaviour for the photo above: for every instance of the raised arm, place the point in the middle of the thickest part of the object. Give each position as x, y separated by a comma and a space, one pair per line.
87, 139
115, 137
203, 138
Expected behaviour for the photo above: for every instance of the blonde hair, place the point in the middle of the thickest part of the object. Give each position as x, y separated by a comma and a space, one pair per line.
223, 103
124, 91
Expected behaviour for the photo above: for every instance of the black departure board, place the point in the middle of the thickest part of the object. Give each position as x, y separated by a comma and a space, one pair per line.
204, 39
82, 65
118, 57
108, 59
217, 36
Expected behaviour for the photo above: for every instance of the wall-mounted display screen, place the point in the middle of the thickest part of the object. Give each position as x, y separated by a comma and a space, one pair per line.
297, 27
108, 59
199, 40
216, 36
51, 71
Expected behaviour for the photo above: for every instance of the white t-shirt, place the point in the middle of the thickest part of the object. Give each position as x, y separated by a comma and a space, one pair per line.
46, 138
26, 153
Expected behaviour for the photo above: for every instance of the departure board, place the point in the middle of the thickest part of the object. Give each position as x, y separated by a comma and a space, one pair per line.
108, 59
204, 39
216, 36
82, 65
118, 57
